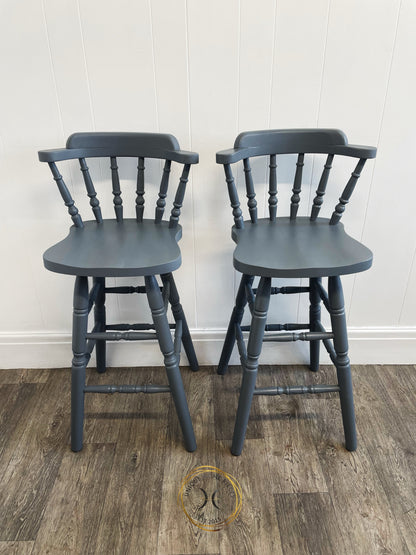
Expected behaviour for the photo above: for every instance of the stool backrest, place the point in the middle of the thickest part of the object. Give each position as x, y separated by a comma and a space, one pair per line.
291, 141
112, 145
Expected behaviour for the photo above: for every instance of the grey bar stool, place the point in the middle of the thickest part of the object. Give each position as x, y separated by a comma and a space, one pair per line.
123, 247
292, 247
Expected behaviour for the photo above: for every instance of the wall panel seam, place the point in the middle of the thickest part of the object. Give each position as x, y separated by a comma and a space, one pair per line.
375, 161
407, 288
152, 43
86, 69
188, 76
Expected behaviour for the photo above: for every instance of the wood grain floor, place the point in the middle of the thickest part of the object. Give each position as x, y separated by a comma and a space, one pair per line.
302, 491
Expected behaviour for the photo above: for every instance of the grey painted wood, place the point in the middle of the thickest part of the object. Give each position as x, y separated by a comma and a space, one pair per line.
342, 363
297, 186
292, 141
140, 189
98, 145
273, 188
320, 192
314, 319
232, 193
121, 247
302, 249
248, 383
79, 361
100, 321
292, 247
236, 317
251, 195
127, 248
180, 194
171, 363
161, 201
179, 316
118, 202
347, 192
66, 196
91, 192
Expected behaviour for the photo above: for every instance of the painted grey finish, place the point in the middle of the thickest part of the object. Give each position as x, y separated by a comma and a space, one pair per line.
79, 361
236, 317
100, 323
299, 248
292, 141
127, 248
292, 247
179, 316
314, 319
258, 323
160, 321
120, 247
342, 362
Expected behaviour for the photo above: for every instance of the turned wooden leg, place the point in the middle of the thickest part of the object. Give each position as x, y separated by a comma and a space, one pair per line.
314, 319
100, 318
164, 337
255, 340
236, 317
179, 314
79, 361
342, 363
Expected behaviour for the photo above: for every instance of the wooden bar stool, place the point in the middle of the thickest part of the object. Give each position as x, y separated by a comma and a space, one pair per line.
123, 247
292, 247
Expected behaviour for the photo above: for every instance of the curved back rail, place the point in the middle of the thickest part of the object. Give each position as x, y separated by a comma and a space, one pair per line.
113, 145
291, 141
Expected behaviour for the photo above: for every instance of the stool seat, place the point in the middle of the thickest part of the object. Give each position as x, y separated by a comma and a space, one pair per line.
116, 249
298, 248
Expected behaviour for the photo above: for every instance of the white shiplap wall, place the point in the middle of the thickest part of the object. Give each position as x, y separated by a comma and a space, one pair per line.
205, 71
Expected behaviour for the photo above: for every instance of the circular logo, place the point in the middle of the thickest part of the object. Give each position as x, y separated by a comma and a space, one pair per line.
210, 498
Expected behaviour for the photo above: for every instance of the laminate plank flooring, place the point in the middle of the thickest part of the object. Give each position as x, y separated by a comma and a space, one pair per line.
302, 491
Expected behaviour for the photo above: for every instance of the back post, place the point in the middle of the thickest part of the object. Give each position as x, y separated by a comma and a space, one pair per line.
251, 195
320, 191
273, 188
180, 194
297, 186
140, 190
347, 192
66, 196
232, 193
161, 201
118, 203
94, 202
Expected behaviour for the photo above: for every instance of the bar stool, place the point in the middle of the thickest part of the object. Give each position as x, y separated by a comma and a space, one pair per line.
121, 247
292, 247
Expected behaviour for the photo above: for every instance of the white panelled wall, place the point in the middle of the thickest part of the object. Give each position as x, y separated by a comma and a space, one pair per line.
206, 71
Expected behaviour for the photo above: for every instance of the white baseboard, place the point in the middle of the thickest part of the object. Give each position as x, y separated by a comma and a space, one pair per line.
382, 345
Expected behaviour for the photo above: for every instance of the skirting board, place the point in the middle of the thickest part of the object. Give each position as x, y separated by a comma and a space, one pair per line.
53, 350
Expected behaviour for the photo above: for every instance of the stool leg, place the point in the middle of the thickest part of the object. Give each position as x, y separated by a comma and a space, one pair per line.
342, 363
100, 318
79, 362
236, 317
255, 340
179, 314
314, 318
164, 337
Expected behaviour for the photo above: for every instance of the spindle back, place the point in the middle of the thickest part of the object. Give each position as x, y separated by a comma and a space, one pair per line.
291, 141
115, 145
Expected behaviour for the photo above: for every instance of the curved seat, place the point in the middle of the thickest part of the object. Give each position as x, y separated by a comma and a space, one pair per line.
298, 248
116, 249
